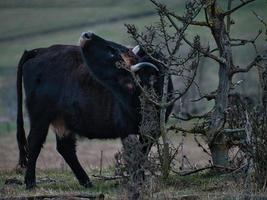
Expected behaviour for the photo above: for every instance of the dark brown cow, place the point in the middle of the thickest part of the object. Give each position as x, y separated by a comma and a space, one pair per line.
97, 100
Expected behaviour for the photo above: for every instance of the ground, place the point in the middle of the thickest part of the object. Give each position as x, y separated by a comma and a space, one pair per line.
88, 151
55, 178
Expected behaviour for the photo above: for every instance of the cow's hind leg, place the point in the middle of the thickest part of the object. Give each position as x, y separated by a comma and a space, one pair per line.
66, 146
36, 138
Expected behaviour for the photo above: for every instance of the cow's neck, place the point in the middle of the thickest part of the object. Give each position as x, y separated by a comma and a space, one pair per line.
126, 100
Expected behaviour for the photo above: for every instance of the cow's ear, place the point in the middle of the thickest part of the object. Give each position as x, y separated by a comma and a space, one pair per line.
129, 58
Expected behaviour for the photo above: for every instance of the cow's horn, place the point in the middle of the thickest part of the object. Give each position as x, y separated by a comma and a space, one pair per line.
136, 67
136, 49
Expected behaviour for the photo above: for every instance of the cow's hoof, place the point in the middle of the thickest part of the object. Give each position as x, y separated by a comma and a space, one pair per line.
30, 186
87, 184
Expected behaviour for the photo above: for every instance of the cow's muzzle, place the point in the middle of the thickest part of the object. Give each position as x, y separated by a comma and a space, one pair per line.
85, 37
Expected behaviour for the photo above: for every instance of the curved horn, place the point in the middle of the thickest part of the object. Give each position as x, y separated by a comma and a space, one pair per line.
136, 67
136, 49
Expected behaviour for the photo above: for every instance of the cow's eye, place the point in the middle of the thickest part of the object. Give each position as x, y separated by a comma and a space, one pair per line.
112, 50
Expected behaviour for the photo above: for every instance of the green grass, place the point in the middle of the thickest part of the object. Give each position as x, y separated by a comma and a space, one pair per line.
54, 182
66, 182
205, 185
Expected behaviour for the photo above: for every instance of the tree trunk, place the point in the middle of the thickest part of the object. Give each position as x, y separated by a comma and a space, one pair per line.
263, 83
165, 153
216, 140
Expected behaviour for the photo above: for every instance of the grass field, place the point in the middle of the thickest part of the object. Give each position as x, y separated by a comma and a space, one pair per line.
205, 186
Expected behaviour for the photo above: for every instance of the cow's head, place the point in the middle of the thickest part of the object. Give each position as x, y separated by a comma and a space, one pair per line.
102, 58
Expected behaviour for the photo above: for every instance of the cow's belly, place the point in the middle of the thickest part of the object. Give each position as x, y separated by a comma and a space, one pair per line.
93, 129
100, 119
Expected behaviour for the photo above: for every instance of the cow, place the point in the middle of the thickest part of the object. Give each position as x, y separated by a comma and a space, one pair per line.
80, 91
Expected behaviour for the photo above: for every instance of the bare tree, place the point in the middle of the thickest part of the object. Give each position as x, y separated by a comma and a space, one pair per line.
167, 37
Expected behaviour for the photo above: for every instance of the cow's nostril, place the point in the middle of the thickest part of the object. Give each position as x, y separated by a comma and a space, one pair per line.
87, 35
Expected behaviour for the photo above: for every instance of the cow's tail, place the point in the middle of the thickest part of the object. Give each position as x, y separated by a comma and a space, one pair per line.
21, 137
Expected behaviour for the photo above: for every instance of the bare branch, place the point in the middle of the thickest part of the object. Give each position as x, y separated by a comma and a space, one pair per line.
206, 15
236, 42
164, 33
183, 19
180, 31
209, 97
259, 18
191, 81
190, 117
201, 146
205, 53
248, 67
228, 23
242, 42
237, 7
194, 130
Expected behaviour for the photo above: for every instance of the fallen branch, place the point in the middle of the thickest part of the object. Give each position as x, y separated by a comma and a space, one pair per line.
58, 196
108, 178
204, 168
